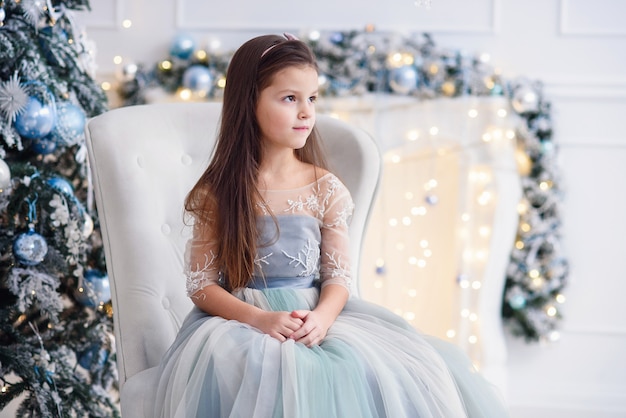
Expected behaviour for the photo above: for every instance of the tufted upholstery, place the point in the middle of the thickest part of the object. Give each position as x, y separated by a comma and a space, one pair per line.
144, 159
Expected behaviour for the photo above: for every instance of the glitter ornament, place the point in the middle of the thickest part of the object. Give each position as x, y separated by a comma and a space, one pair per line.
36, 121
403, 80
182, 46
30, 248
95, 290
198, 79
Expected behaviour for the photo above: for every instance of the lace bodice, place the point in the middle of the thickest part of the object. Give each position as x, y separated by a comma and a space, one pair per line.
312, 242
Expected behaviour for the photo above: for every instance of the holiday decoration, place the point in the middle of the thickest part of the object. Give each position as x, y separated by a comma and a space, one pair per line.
49, 238
95, 290
198, 79
358, 62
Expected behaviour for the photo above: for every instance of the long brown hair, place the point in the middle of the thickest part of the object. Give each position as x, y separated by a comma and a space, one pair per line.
226, 194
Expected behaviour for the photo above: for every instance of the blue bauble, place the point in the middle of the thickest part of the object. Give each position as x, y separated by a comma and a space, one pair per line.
61, 185
403, 80
30, 248
517, 302
45, 145
182, 46
3, 14
36, 121
96, 289
198, 79
95, 354
70, 126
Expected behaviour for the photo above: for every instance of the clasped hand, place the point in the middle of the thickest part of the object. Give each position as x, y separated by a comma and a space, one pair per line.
303, 326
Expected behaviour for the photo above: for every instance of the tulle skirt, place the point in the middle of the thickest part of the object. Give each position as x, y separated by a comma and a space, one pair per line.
371, 364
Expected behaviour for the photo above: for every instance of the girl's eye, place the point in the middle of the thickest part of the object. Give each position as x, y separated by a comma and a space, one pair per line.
313, 99
291, 98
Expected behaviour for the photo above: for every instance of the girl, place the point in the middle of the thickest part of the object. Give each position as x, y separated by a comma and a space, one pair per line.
273, 332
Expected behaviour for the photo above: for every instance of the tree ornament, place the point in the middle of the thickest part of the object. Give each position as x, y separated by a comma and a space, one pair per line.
517, 301
44, 146
30, 248
198, 79
5, 176
13, 98
182, 46
3, 15
95, 289
70, 125
431, 199
36, 121
129, 72
525, 100
404, 79
62, 185
94, 355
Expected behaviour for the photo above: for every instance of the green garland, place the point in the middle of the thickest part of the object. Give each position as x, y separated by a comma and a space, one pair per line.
358, 62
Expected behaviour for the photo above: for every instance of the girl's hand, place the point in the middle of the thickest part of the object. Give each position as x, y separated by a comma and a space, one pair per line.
314, 329
279, 325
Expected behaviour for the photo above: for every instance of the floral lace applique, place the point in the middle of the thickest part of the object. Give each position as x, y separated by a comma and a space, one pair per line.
308, 258
335, 268
311, 202
259, 261
199, 277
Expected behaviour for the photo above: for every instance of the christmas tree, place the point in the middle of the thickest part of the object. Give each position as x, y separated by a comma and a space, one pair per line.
56, 347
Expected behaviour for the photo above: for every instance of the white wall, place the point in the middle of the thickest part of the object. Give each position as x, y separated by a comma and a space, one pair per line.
577, 48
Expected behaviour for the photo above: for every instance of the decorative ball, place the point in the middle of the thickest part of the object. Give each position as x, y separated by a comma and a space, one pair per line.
70, 126
94, 355
36, 121
129, 72
517, 302
198, 79
95, 290
62, 185
403, 80
431, 199
182, 46
30, 248
3, 14
381, 270
525, 100
44, 146
5, 176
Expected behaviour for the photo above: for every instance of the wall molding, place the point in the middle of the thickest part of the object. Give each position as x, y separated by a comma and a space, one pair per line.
585, 88
114, 22
567, 28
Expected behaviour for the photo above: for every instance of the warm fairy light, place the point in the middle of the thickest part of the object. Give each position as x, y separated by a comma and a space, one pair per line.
560, 298
472, 339
450, 333
465, 217
412, 261
184, 94
472, 113
489, 83
427, 253
522, 207
484, 231
476, 285
412, 293
519, 244
380, 262
502, 113
431, 184
400, 246
406, 221
525, 227
433, 130
105, 85
464, 284
393, 222
3, 389
221, 82
421, 263
481, 255
424, 243
537, 282
165, 65
413, 135
378, 284
408, 195
534, 273
510, 134
465, 313
201, 54
127, 23
418, 210
117, 59
409, 316
484, 198
400, 59
484, 57
545, 185
473, 317
395, 158
314, 35
433, 69
551, 310
486, 137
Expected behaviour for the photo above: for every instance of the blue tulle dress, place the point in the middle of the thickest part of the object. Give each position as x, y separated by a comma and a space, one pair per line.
372, 363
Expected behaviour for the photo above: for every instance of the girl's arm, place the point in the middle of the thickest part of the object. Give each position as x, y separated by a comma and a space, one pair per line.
215, 300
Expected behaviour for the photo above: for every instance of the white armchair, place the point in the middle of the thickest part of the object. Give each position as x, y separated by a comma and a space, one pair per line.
144, 160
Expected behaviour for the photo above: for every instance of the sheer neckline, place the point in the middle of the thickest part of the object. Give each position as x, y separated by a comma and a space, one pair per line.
306, 186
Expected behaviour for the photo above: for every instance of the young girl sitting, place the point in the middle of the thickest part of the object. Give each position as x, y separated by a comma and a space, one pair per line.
274, 332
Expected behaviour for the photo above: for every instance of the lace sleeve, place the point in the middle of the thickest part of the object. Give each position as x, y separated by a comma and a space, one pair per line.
335, 257
200, 260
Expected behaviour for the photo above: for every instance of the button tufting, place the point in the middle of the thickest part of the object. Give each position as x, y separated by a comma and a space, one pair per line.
166, 303
140, 161
165, 228
186, 159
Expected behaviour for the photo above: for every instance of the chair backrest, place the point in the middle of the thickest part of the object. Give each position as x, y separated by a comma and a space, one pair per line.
144, 159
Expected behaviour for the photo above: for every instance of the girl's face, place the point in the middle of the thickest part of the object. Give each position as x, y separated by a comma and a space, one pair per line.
286, 108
